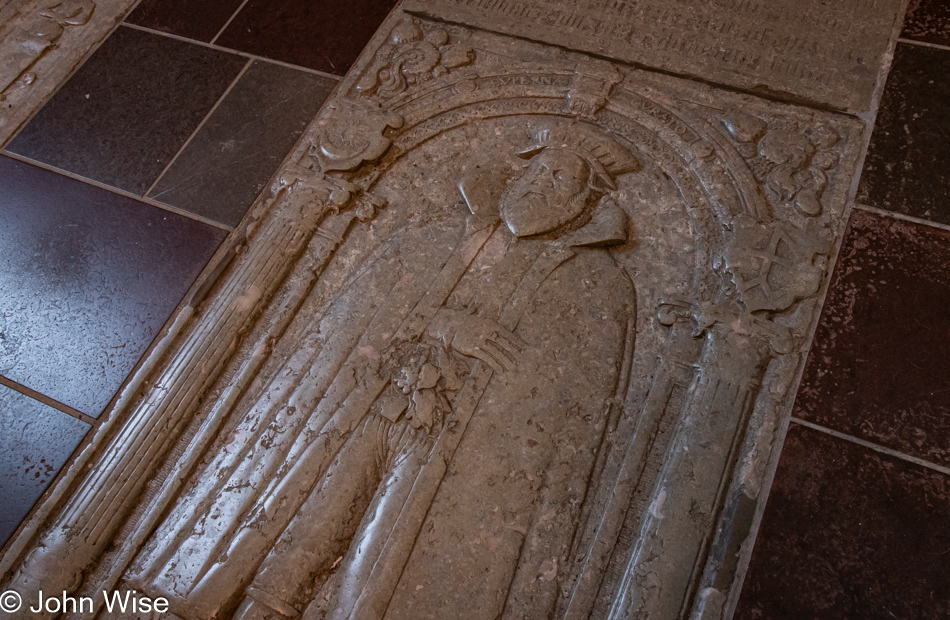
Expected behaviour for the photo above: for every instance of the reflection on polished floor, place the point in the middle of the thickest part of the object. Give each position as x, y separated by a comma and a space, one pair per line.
124, 191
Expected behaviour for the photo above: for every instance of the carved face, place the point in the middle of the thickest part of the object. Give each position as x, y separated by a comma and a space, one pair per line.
553, 191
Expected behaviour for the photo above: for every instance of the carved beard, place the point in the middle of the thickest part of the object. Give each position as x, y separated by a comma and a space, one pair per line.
548, 217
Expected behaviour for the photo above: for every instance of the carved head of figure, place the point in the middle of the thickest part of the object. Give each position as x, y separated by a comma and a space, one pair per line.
563, 179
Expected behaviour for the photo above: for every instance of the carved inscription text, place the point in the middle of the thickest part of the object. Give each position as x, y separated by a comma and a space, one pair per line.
828, 53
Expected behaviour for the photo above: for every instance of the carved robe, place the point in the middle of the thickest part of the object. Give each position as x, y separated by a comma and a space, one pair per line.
496, 542
495, 539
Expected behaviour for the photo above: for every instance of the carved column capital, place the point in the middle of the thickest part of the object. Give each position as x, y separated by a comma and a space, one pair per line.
351, 133
591, 85
704, 317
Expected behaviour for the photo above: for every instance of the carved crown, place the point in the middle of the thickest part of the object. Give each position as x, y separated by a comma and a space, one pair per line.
607, 158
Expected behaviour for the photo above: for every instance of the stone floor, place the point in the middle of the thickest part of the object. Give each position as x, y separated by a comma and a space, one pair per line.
120, 190
856, 525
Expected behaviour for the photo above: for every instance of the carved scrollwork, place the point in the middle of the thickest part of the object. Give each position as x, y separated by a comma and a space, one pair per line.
669, 311
410, 57
350, 134
792, 163
702, 316
590, 87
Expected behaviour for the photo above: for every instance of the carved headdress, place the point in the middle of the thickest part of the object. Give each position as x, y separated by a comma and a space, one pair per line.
607, 159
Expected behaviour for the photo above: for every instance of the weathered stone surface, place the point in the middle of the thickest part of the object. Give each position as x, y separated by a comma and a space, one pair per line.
831, 53
510, 338
41, 42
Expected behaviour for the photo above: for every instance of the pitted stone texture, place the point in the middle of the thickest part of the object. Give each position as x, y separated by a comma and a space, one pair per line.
35, 441
510, 338
829, 53
88, 278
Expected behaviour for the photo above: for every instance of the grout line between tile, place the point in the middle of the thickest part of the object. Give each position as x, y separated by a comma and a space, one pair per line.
785, 418
120, 192
900, 216
330, 76
870, 119
873, 446
945, 48
228, 23
235, 52
50, 402
79, 65
201, 125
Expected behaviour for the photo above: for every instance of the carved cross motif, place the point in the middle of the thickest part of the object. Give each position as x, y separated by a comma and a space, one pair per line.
773, 266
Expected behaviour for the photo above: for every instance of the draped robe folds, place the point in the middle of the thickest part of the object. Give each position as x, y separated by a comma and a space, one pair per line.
496, 539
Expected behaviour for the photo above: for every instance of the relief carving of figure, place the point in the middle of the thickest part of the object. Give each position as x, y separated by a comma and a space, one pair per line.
427, 453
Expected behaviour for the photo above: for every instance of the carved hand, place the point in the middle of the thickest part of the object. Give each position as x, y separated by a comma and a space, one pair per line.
488, 341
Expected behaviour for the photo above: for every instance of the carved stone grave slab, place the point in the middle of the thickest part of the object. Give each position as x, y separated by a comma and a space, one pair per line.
511, 337
830, 53
41, 42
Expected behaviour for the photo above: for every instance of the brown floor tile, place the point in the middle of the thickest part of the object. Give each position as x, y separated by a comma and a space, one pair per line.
127, 111
35, 442
908, 162
194, 19
320, 34
88, 279
849, 534
879, 368
232, 157
928, 21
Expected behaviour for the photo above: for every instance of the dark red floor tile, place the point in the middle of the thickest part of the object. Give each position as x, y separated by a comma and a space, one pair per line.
193, 19
35, 442
849, 534
908, 162
879, 368
88, 278
320, 34
230, 160
928, 21
127, 111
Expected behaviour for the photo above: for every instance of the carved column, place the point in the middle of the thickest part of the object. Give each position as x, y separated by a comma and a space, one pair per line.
87, 524
607, 537
722, 214
674, 533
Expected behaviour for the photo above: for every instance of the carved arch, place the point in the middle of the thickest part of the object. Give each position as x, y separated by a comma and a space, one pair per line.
702, 400
714, 180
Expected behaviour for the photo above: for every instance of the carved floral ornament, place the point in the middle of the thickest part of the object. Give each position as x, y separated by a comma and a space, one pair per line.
792, 163
410, 57
789, 165
605, 233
